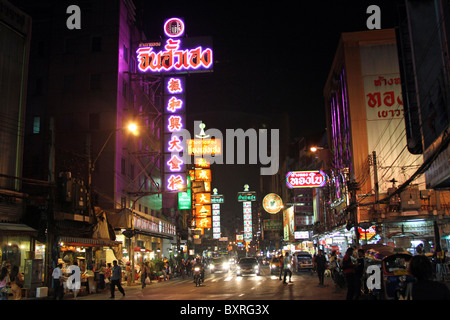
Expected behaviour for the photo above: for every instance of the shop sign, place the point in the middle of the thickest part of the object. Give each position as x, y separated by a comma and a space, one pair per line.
300, 235
273, 225
305, 179
247, 196
185, 198
202, 174
177, 55
272, 203
202, 198
204, 147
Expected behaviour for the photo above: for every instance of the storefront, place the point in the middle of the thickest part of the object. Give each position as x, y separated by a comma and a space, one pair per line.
18, 244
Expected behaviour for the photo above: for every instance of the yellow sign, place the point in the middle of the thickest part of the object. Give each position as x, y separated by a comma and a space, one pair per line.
202, 198
204, 146
202, 175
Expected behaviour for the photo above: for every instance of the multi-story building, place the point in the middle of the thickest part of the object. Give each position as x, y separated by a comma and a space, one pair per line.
17, 238
83, 92
370, 159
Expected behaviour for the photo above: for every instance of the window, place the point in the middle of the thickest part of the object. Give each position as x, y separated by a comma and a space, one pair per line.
36, 125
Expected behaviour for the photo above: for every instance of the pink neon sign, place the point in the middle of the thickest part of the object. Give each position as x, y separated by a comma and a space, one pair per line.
175, 124
173, 58
175, 144
175, 182
174, 104
174, 27
175, 163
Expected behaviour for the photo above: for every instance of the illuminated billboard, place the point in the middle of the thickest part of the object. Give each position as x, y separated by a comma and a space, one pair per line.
305, 179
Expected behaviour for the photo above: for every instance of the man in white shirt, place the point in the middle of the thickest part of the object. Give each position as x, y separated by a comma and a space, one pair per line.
57, 282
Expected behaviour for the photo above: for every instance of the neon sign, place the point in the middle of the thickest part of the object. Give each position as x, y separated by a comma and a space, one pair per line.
173, 58
174, 27
305, 179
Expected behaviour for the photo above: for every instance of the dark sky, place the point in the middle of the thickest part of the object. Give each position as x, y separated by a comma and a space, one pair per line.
269, 56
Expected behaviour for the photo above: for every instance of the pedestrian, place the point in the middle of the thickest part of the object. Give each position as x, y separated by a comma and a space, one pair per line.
359, 271
424, 288
348, 268
74, 281
108, 274
145, 272
57, 276
129, 275
183, 268
16, 283
4, 281
188, 267
116, 278
321, 265
281, 265
287, 265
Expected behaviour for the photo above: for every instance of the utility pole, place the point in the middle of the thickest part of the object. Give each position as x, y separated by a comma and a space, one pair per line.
375, 176
50, 261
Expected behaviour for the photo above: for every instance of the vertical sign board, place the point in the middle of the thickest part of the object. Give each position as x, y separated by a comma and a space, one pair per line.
216, 200
174, 116
172, 57
247, 197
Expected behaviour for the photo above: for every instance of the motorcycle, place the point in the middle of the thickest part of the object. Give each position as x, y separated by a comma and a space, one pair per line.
198, 276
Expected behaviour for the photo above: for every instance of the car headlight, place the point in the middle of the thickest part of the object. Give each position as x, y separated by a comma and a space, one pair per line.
211, 266
256, 267
226, 265
239, 268
196, 269
273, 266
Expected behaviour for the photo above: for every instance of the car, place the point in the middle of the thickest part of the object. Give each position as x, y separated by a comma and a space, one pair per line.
219, 265
247, 265
304, 260
275, 265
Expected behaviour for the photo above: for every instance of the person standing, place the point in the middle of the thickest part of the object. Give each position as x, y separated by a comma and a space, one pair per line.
321, 265
281, 265
116, 278
287, 265
348, 268
424, 288
4, 279
359, 271
16, 283
58, 290
74, 280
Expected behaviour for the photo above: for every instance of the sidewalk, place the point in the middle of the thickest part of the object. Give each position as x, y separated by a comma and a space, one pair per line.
105, 292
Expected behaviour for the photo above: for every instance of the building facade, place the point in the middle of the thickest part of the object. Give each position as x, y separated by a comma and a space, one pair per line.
373, 184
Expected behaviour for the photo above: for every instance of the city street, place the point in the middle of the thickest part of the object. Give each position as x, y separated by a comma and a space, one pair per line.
228, 286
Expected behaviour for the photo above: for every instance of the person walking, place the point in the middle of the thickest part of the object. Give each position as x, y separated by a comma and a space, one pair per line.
321, 265
281, 265
116, 278
348, 268
145, 272
58, 290
287, 265
424, 288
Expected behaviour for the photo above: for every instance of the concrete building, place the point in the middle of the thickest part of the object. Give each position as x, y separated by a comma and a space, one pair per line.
368, 145
83, 92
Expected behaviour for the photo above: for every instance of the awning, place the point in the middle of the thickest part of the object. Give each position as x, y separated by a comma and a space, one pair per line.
16, 229
88, 242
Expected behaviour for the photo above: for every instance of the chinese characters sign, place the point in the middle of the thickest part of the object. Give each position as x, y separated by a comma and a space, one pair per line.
305, 179
174, 117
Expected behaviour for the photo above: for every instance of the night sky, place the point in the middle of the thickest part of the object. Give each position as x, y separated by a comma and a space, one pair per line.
269, 57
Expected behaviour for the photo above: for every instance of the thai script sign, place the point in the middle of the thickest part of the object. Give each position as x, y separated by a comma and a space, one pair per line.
305, 179
176, 56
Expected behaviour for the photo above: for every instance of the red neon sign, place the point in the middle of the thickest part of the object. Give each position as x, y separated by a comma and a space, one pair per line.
305, 179
173, 58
